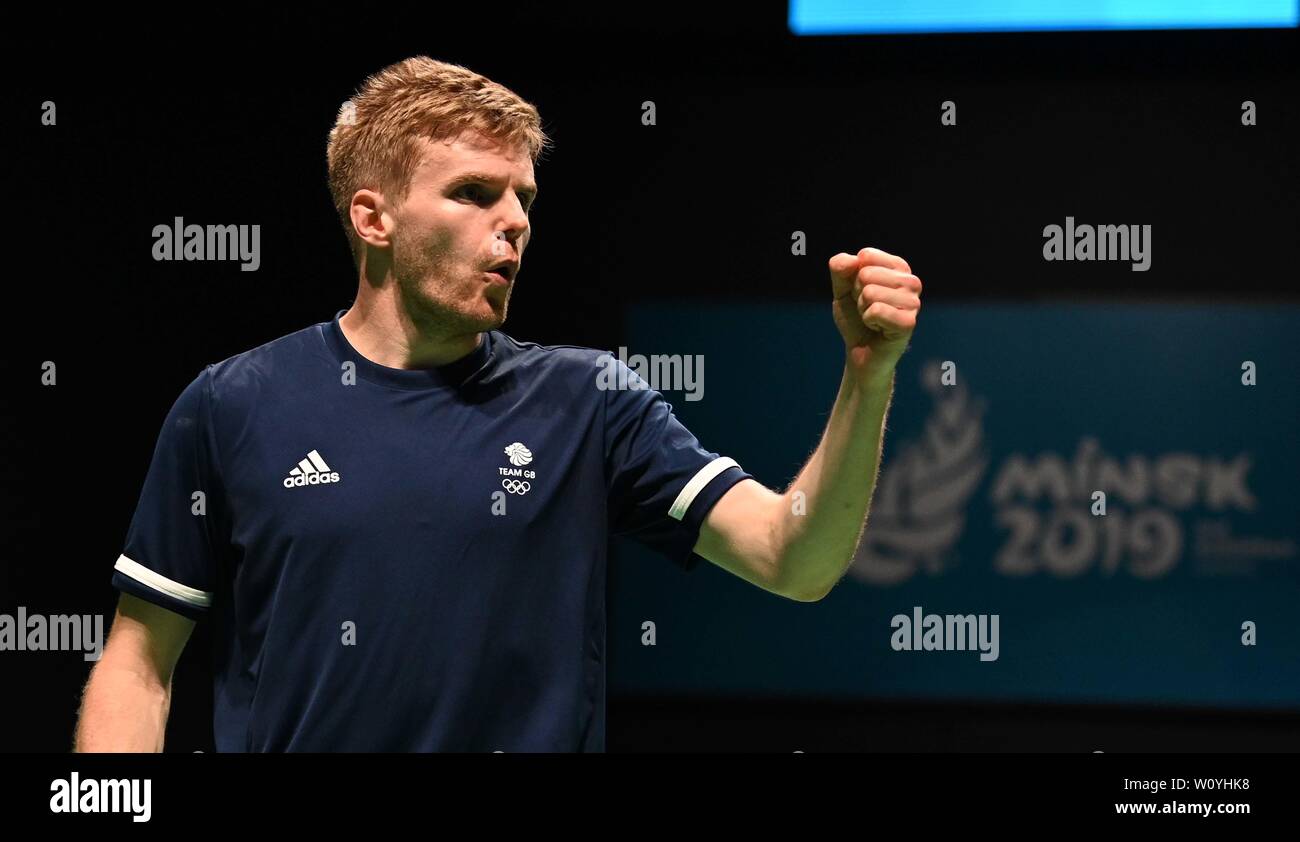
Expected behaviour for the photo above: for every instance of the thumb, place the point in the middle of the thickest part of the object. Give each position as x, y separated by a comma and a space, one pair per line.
844, 268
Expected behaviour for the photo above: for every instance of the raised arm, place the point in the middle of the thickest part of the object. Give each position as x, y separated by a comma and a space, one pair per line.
799, 543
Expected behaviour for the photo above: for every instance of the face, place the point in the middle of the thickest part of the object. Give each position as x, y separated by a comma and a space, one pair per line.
466, 211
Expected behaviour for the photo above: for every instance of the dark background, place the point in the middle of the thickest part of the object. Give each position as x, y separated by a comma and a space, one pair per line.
222, 118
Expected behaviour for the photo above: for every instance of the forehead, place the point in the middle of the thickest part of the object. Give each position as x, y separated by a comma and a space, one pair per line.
445, 160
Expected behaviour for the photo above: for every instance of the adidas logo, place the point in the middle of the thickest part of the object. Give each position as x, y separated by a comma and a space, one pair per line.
311, 471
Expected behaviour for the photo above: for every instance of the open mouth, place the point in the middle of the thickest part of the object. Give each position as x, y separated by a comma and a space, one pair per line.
504, 271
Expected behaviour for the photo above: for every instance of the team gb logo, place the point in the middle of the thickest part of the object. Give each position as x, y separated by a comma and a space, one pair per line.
519, 455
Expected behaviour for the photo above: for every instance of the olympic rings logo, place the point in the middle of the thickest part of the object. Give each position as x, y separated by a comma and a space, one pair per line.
515, 486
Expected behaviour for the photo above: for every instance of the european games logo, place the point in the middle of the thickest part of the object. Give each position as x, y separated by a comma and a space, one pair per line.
1046, 503
919, 509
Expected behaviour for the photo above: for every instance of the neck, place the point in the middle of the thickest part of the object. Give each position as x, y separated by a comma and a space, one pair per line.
388, 334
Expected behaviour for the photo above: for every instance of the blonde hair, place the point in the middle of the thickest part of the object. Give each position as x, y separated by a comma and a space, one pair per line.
375, 140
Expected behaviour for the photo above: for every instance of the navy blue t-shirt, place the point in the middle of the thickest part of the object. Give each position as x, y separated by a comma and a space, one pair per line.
410, 560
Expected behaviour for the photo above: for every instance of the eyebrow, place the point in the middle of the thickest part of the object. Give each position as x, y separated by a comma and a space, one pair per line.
466, 178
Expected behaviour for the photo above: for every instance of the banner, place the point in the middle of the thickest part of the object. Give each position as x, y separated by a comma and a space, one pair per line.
1078, 503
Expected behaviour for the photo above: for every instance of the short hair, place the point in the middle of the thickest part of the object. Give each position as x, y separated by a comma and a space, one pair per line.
374, 143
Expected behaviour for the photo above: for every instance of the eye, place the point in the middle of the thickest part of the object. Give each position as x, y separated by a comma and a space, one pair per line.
475, 191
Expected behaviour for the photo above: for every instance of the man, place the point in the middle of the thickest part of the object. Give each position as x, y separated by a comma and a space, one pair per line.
397, 520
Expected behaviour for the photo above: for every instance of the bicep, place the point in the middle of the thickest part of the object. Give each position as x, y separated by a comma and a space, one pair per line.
741, 533
147, 638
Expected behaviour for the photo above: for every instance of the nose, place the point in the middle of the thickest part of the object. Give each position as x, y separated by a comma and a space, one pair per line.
514, 226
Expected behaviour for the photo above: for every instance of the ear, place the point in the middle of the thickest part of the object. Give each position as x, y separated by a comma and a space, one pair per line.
371, 219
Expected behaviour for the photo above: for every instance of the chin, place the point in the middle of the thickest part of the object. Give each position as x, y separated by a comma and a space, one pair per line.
494, 315
486, 324
489, 319
463, 316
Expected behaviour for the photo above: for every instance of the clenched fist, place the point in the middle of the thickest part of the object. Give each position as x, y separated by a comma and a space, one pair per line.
877, 300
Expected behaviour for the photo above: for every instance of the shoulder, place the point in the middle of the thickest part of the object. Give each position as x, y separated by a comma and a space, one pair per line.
561, 360
571, 372
244, 378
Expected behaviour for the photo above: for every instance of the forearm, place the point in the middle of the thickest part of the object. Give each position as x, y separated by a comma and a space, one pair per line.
820, 530
122, 711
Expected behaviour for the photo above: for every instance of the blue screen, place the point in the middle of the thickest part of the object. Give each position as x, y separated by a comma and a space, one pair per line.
972, 513
844, 17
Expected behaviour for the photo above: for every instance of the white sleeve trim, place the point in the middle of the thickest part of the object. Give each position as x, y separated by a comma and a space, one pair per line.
160, 583
697, 483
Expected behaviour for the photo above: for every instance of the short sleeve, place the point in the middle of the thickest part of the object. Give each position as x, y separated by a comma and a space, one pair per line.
662, 482
170, 554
